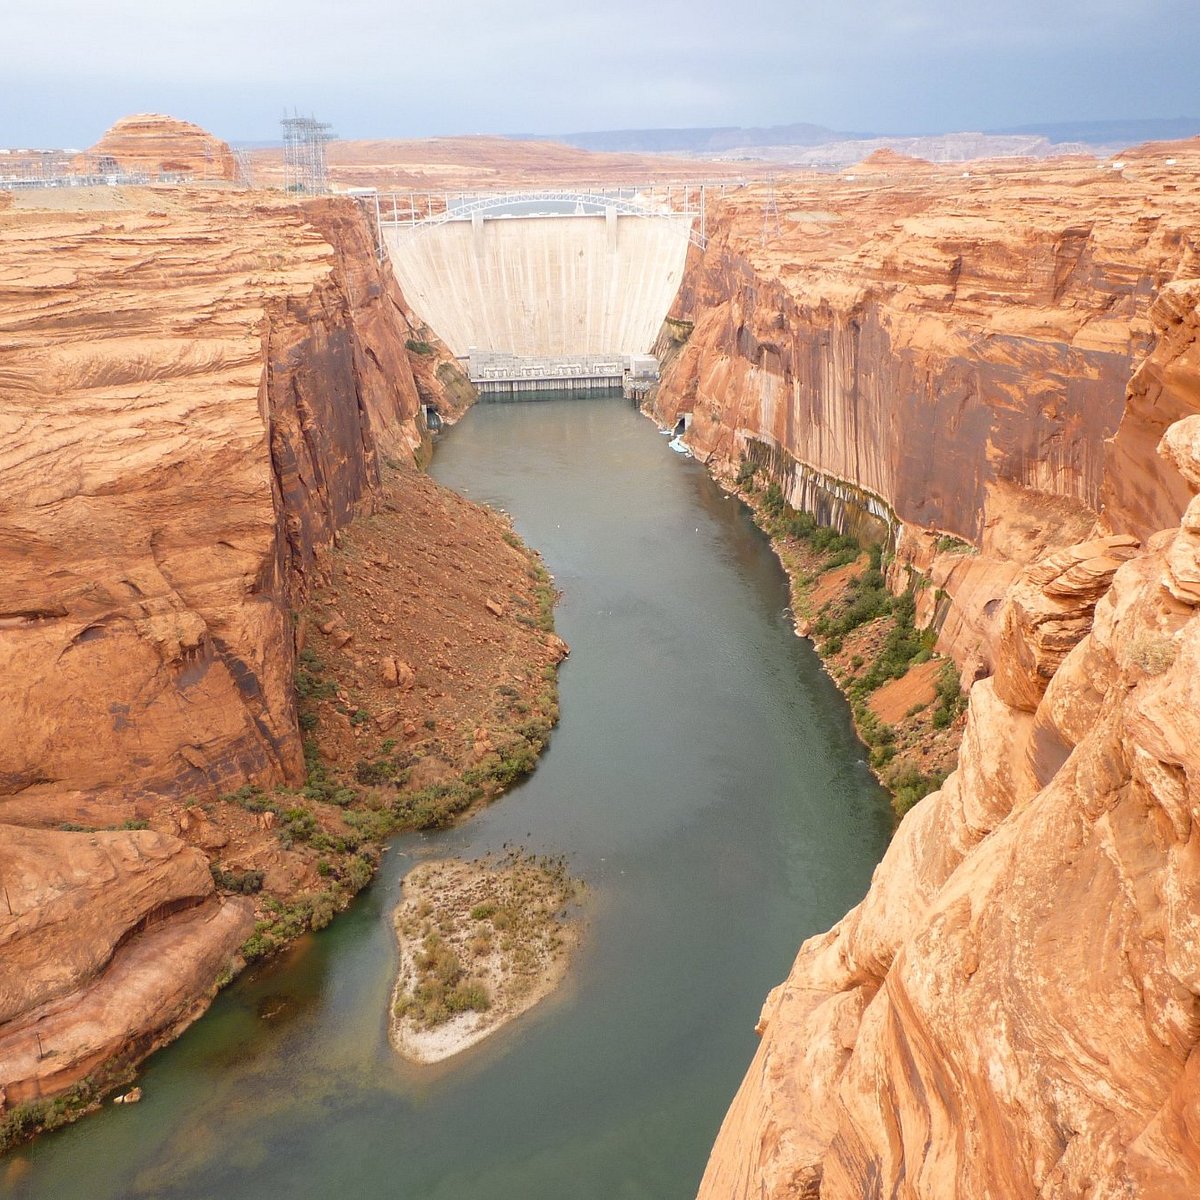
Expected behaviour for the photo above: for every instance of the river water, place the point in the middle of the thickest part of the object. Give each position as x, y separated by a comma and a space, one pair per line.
704, 781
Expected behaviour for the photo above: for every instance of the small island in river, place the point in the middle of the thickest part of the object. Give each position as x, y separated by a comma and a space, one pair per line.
480, 943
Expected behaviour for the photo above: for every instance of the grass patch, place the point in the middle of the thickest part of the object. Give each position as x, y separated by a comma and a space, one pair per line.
442, 989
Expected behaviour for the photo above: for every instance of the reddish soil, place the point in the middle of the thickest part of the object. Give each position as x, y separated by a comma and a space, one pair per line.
413, 583
423, 658
893, 702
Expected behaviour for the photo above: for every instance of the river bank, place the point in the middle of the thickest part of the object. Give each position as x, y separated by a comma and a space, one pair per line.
426, 686
907, 704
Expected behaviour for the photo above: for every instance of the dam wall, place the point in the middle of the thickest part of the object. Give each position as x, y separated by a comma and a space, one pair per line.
543, 286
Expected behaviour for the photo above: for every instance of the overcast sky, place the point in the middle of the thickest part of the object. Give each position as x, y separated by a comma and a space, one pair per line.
377, 68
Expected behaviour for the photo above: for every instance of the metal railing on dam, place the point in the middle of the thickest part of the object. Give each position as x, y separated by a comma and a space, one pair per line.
556, 273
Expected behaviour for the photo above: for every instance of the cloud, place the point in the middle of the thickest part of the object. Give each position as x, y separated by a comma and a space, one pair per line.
546, 65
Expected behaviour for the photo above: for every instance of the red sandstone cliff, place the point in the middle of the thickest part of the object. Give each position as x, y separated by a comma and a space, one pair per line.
954, 345
196, 394
1012, 1011
155, 144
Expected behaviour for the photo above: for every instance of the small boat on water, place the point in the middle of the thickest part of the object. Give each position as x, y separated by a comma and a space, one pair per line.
680, 446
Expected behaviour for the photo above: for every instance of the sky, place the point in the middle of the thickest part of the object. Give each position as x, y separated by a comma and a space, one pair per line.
397, 68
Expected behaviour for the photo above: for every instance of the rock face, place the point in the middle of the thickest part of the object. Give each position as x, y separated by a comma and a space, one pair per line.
131, 901
195, 401
155, 144
198, 392
1012, 1011
948, 350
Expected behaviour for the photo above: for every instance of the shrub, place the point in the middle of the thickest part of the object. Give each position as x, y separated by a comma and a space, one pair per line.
951, 699
288, 921
245, 883
300, 823
908, 784
746, 474
773, 503
378, 771
1154, 653
310, 686
468, 997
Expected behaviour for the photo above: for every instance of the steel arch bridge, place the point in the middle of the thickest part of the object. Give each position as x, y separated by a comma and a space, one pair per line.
468, 208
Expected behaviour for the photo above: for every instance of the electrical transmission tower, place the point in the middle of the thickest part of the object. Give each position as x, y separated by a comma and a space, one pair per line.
242, 162
770, 229
304, 167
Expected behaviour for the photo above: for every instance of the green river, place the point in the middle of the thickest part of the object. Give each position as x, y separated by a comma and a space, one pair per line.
704, 781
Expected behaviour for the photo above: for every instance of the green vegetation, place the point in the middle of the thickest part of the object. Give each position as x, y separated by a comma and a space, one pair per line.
309, 682
948, 544
784, 521
866, 602
951, 699
22, 1121
243, 882
419, 346
287, 921
442, 990
544, 595
131, 824
908, 784
745, 476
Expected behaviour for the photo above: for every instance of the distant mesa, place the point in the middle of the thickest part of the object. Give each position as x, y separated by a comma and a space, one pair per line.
155, 144
886, 159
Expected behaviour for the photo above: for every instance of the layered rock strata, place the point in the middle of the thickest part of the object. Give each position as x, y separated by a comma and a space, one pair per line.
1014, 1008
155, 144
949, 349
199, 392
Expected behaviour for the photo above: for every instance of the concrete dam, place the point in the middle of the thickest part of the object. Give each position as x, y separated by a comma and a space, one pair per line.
542, 294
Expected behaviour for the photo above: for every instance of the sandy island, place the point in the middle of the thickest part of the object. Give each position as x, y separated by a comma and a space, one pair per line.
480, 943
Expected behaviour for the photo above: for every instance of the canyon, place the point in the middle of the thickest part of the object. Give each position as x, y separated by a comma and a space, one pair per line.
217, 543
212, 412
996, 371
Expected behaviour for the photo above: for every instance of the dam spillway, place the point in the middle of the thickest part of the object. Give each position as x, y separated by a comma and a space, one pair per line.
559, 287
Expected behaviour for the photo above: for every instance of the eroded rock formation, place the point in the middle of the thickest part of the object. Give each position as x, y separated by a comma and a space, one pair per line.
1014, 1008
155, 144
199, 392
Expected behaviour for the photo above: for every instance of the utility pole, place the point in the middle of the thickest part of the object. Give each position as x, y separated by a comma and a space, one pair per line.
770, 229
